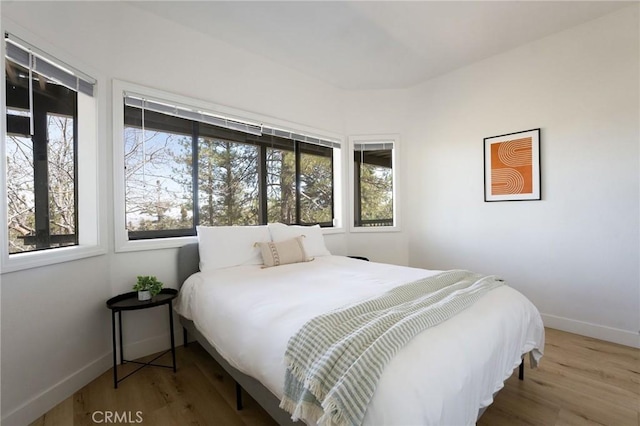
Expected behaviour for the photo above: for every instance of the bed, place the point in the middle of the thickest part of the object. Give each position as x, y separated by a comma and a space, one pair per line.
245, 314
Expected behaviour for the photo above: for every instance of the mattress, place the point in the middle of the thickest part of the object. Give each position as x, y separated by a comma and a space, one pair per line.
443, 376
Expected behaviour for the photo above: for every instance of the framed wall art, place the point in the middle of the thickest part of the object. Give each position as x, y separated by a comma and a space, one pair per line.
512, 166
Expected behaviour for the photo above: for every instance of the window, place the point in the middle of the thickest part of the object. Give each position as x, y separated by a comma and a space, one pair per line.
157, 156
49, 112
374, 182
184, 167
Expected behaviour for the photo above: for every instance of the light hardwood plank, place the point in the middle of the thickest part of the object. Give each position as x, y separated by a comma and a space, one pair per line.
586, 381
59, 415
580, 381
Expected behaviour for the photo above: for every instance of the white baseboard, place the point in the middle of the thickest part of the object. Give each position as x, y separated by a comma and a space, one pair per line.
49, 398
610, 334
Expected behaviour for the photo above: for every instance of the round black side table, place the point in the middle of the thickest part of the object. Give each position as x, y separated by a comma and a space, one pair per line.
129, 302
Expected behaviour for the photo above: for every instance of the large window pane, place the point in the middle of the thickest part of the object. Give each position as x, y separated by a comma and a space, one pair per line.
227, 183
316, 189
158, 180
20, 195
281, 186
62, 191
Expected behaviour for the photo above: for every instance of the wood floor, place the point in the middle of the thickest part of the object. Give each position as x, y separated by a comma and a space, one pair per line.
581, 381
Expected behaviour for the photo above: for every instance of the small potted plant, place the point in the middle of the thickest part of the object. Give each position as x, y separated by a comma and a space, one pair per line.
147, 287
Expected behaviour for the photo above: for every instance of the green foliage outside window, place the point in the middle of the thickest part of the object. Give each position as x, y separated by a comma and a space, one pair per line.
373, 203
159, 169
376, 189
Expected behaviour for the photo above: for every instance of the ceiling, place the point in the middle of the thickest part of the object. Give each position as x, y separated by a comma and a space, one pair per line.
378, 45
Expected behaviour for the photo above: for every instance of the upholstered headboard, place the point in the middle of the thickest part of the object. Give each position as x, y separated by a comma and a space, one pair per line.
188, 262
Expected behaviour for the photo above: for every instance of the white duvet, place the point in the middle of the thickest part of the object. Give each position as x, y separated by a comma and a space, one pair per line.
442, 377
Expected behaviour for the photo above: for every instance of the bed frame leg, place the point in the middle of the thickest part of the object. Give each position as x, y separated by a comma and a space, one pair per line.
238, 397
185, 340
521, 370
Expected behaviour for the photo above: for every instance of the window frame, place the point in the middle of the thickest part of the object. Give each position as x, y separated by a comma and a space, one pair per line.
119, 88
90, 221
65, 104
395, 155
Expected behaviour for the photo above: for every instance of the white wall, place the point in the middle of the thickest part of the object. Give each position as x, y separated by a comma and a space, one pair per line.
54, 328
56, 333
575, 254
380, 113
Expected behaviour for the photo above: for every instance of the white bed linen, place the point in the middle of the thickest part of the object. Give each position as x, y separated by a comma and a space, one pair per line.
442, 377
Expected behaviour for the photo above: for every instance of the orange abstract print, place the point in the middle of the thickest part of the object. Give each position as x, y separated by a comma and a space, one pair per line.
511, 167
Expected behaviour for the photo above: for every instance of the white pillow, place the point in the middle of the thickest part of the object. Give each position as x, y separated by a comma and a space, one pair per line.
225, 246
313, 241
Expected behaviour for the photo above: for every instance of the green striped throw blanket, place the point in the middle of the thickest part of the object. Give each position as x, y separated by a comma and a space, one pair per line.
335, 360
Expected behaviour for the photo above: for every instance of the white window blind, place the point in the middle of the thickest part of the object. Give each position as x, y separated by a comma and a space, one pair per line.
234, 123
42, 63
189, 113
373, 146
310, 139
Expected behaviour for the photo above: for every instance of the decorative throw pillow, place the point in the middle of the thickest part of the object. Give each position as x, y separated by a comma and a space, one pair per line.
313, 243
283, 252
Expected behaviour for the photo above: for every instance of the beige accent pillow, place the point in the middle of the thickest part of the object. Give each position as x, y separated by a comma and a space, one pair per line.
283, 252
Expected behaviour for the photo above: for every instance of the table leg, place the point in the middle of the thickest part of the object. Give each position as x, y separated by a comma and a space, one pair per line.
238, 397
115, 361
120, 335
521, 370
173, 344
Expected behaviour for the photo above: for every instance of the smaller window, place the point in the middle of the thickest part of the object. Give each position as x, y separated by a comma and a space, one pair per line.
374, 183
41, 144
49, 171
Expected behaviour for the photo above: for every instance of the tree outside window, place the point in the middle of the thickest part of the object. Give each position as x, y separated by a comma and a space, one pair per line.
373, 180
181, 173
